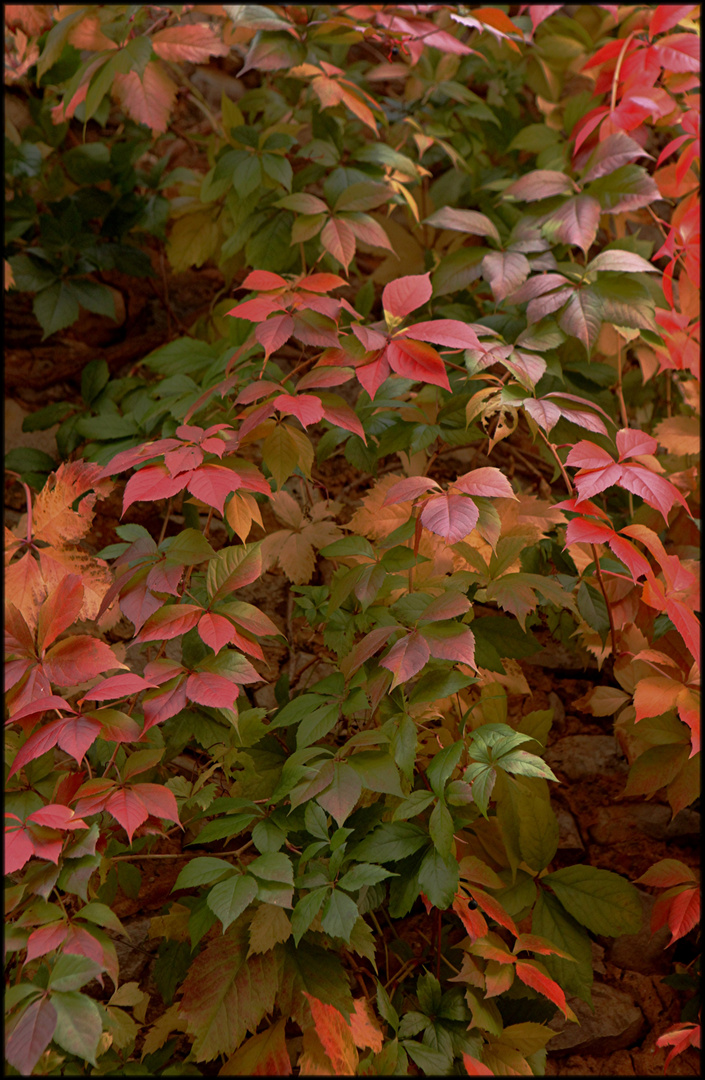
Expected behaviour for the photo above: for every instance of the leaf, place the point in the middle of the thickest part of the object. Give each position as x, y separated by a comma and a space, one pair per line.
335, 1035
602, 901
406, 294
449, 332
270, 926
534, 974
575, 223
233, 568
341, 797
148, 98
338, 238
622, 262
418, 361
30, 1036
450, 516
551, 921
406, 658
339, 915
196, 43
261, 1055
390, 842
438, 878
451, 642
78, 1024
666, 873
505, 271
540, 184
583, 316
467, 221
225, 995
228, 899
56, 308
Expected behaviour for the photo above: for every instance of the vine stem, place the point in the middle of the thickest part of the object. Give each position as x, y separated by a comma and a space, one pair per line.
623, 408
618, 69
598, 571
167, 515
177, 854
28, 496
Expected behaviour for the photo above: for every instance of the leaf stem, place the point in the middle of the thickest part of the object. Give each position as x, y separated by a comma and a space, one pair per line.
28, 495
617, 70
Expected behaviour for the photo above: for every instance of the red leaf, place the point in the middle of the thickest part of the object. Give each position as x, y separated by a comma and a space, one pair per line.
450, 516
587, 455
666, 16
159, 707
540, 184
371, 376
18, 849
472, 919
77, 659
446, 606
342, 416
212, 484
366, 649
128, 809
257, 310
305, 407
406, 658
409, 489
684, 913
274, 332
406, 294
159, 800
505, 271
418, 361
72, 734
57, 816
41, 705
534, 943
666, 873
486, 481
455, 642
212, 690
264, 281
653, 489
151, 483
170, 621
338, 238
320, 283
147, 99
255, 391
545, 413
118, 686
680, 1036
60, 610
215, 631
183, 459
30, 1036
679, 52
473, 1067
45, 939
534, 975
494, 909
582, 531
450, 332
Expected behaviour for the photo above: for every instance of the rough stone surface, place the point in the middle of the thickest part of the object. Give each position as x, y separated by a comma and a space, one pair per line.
613, 824
136, 953
616, 1024
558, 711
15, 437
568, 834
642, 952
581, 756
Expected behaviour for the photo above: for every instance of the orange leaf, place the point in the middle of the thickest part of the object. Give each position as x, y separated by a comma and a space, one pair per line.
195, 43
364, 1030
335, 1035
148, 99
535, 975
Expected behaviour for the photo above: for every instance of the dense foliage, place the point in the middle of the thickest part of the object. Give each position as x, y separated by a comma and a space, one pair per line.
447, 234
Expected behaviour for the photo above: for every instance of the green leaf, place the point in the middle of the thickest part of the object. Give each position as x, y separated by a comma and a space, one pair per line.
340, 798
438, 878
71, 972
55, 307
550, 920
317, 971
95, 297
78, 1024
363, 874
604, 902
439, 684
377, 771
525, 764
390, 842
440, 827
188, 548
316, 724
306, 910
441, 768
228, 899
202, 871
339, 915
413, 805
592, 607
94, 378
31, 275
274, 866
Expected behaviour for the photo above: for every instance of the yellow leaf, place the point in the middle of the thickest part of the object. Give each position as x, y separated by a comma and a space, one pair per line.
679, 434
161, 1030
270, 925
193, 239
375, 520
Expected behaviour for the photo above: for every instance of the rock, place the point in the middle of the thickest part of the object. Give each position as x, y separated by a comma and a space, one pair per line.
15, 437
582, 756
568, 834
614, 824
264, 697
137, 952
616, 1024
558, 711
598, 957
555, 655
644, 951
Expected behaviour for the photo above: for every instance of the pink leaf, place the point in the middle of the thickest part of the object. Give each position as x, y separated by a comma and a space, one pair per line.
466, 221
118, 686
159, 707
212, 690
450, 516
31, 1035
408, 489
365, 649
505, 271
653, 489
264, 281
60, 610
545, 413
18, 849
305, 407
587, 455
257, 310
446, 606
45, 939
149, 99
170, 621
575, 223
418, 361
371, 376
487, 481
406, 658
159, 800
338, 238
455, 642
450, 332
540, 184
630, 443
406, 294
57, 816
196, 43
128, 809
212, 484
79, 658
215, 631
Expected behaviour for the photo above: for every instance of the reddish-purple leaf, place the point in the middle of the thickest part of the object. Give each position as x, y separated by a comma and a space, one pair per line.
18, 849
77, 659
505, 271
128, 809
159, 800
338, 238
446, 606
212, 484
406, 658
337, 412
449, 332
116, 726
582, 317
418, 361
274, 332
371, 376
408, 489
466, 221
540, 184
537, 286
611, 153
575, 222
212, 690
368, 231
170, 621
151, 483
365, 649
305, 407
45, 939
406, 294
371, 340
454, 642
545, 413
30, 1036
621, 261
544, 305
168, 702
450, 516
215, 631
486, 481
